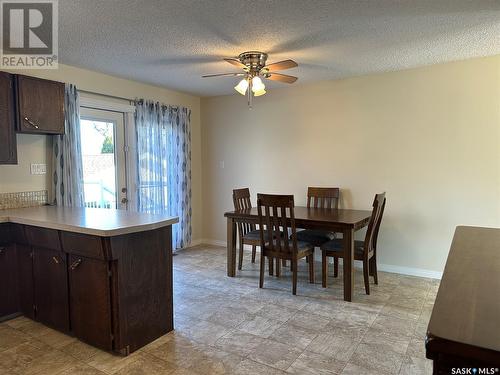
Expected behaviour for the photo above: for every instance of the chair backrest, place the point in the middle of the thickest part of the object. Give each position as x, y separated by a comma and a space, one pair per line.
374, 224
320, 197
276, 215
241, 201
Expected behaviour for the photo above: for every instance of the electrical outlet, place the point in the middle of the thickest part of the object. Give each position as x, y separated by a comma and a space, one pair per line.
38, 168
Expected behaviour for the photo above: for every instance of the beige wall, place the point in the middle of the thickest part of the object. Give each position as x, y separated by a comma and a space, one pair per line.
36, 149
429, 137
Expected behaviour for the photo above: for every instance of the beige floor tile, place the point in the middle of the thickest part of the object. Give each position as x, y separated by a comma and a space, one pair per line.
416, 366
249, 367
275, 354
309, 321
111, 363
335, 344
377, 357
384, 339
277, 312
294, 336
394, 325
81, 369
52, 362
416, 348
10, 337
204, 332
56, 339
259, 326
147, 364
353, 369
310, 363
21, 356
79, 350
239, 343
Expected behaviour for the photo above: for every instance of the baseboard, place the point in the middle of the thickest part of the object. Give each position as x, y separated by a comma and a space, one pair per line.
409, 271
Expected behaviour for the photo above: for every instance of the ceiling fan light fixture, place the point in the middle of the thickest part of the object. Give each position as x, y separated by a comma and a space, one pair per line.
242, 86
258, 87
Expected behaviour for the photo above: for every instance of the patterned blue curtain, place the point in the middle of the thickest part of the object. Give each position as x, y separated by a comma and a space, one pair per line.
67, 166
164, 164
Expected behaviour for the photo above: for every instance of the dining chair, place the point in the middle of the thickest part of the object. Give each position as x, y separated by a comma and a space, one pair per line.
320, 197
366, 250
276, 215
248, 234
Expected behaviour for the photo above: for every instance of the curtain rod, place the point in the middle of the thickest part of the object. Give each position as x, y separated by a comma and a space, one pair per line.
107, 96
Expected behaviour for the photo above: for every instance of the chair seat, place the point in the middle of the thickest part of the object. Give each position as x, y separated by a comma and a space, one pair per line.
315, 237
253, 235
336, 246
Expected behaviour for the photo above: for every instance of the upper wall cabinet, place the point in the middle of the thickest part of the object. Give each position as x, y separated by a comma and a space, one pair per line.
40, 106
8, 149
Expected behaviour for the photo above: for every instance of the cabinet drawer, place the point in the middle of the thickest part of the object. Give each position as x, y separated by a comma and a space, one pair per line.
43, 237
18, 235
83, 244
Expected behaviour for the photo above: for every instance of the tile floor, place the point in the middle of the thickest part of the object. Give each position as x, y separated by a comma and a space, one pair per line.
230, 326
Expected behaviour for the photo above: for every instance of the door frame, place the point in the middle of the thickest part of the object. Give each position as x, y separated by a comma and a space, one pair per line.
127, 112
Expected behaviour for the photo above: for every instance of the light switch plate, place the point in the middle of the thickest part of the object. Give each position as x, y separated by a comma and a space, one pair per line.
38, 168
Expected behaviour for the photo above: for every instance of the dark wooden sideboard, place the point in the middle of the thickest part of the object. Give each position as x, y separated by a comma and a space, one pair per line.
464, 329
114, 293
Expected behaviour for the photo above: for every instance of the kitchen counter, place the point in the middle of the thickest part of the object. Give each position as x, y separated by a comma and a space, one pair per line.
93, 221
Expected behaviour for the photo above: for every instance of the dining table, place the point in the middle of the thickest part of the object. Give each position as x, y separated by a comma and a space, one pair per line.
344, 221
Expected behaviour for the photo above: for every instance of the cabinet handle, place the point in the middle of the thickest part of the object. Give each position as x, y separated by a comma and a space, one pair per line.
75, 264
2, 250
31, 123
56, 260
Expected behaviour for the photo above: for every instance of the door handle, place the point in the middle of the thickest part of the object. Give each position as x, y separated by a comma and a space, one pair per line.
2, 250
31, 123
75, 264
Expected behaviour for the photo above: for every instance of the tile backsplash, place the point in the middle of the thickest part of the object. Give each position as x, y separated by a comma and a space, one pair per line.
23, 199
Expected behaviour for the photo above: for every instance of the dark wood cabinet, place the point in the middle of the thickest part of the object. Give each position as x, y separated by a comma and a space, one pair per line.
40, 105
25, 279
114, 293
9, 300
8, 148
90, 300
51, 288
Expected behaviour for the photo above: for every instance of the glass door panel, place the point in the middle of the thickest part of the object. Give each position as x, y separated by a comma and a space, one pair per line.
104, 174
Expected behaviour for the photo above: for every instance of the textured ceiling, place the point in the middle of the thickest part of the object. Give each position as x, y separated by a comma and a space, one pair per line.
173, 43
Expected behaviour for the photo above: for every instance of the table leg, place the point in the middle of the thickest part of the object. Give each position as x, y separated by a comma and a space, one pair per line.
231, 247
348, 263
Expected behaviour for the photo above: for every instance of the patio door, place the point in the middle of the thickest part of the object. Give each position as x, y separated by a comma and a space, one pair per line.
104, 160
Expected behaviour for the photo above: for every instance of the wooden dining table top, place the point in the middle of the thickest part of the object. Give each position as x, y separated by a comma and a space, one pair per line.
342, 217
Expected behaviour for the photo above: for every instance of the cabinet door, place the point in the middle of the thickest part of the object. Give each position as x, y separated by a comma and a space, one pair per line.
90, 301
51, 288
40, 105
8, 148
9, 303
25, 280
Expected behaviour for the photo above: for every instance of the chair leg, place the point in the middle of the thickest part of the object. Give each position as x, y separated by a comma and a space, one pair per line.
240, 258
335, 267
254, 252
271, 265
324, 268
311, 269
294, 276
278, 267
366, 276
262, 267
373, 269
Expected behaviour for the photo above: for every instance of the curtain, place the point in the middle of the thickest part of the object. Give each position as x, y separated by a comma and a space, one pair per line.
67, 182
164, 164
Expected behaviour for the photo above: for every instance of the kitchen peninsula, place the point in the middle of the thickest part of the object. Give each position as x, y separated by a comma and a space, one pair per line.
102, 275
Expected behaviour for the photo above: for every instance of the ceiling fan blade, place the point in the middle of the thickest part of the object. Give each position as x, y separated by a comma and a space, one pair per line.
281, 65
235, 62
281, 77
223, 75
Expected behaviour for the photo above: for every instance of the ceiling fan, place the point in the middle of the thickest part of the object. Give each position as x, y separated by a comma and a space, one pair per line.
254, 68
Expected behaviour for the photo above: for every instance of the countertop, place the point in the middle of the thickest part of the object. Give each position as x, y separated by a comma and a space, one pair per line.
94, 221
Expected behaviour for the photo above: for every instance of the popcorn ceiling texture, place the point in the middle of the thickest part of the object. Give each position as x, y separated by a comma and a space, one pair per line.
23, 199
173, 43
